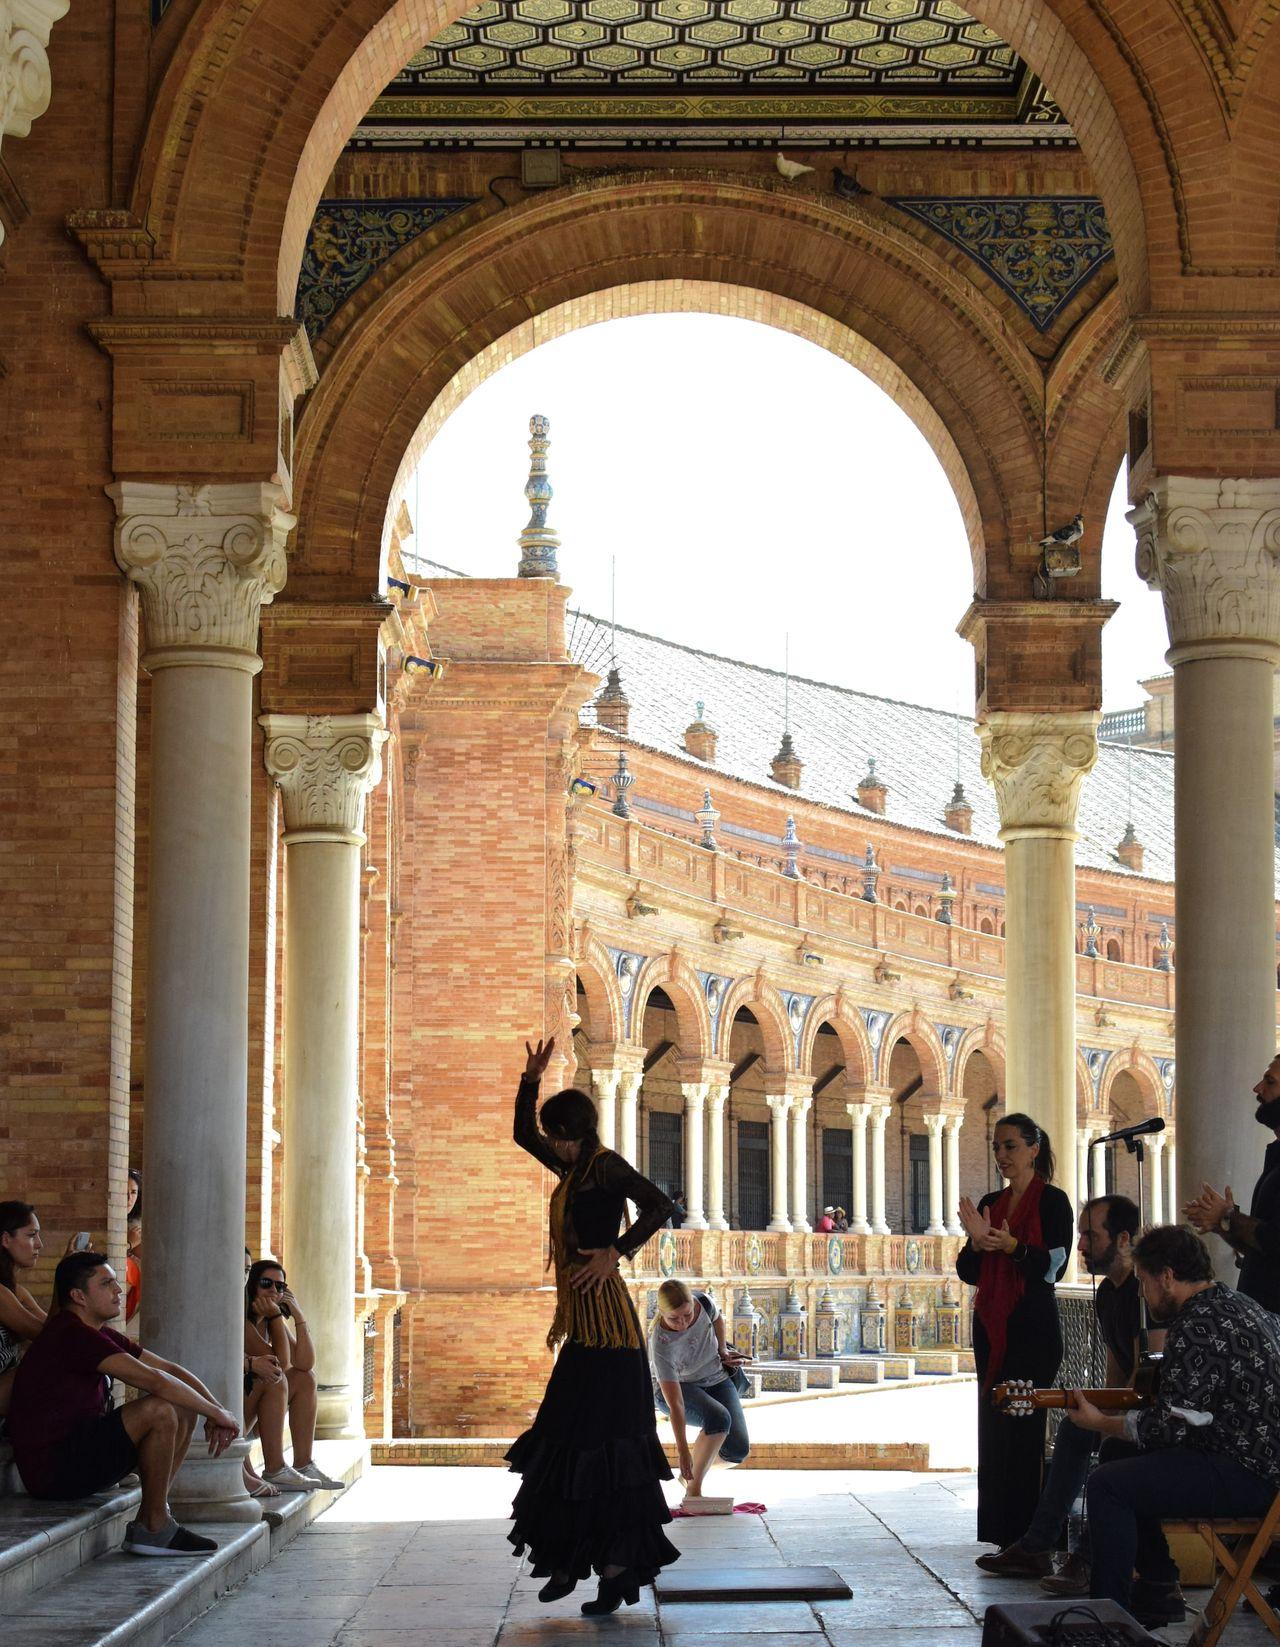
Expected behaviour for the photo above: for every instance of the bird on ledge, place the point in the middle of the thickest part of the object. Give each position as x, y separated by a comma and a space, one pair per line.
791, 169
1065, 535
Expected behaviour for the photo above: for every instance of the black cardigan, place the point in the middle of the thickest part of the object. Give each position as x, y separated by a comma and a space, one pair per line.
598, 1203
1040, 1266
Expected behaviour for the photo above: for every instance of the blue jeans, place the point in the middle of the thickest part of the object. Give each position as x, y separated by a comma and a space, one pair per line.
1072, 1450
716, 1411
1128, 1500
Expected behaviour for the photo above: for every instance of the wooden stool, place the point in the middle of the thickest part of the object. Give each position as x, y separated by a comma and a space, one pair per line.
1236, 1578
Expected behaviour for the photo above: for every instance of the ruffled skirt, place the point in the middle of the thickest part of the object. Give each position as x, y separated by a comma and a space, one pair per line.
592, 1466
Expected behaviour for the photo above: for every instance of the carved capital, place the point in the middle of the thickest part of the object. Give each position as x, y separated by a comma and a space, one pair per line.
1035, 764
325, 765
206, 559
1210, 546
779, 1103
26, 84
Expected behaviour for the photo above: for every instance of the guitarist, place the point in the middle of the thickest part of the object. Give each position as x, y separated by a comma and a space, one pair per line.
1210, 1441
1108, 1228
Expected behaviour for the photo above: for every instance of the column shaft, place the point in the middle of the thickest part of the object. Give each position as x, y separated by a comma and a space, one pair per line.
951, 1206
778, 1219
716, 1097
859, 1115
1171, 1199
934, 1124
879, 1115
800, 1163
695, 1093
1099, 1173
605, 1087
1155, 1180
628, 1095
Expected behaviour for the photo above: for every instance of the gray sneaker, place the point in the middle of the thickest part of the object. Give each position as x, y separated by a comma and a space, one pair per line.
316, 1475
171, 1540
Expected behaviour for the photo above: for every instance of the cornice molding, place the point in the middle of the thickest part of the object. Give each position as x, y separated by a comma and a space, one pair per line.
1035, 763
206, 560
324, 767
1212, 548
26, 81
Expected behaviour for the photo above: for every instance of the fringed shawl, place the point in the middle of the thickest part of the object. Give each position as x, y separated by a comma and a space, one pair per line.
602, 1320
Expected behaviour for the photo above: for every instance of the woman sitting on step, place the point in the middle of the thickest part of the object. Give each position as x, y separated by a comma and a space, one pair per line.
697, 1376
280, 1379
21, 1318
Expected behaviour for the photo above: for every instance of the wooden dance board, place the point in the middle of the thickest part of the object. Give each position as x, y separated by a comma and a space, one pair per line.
751, 1584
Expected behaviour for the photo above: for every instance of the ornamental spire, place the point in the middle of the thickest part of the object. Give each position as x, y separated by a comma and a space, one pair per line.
538, 542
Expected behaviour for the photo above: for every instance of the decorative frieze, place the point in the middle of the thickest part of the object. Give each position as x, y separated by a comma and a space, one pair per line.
1035, 762
26, 84
1210, 547
325, 766
206, 559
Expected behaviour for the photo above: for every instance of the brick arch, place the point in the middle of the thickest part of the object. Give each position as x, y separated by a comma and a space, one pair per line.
600, 981
765, 1002
432, 310
677, 978
987, 1040
1084, 1088
848, 1023
286, 81
920, 1033
1133, 1061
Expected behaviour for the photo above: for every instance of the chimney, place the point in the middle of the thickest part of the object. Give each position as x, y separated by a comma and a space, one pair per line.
872, 790
959, 814
613, 706
700, 738
1130, 850
787, 765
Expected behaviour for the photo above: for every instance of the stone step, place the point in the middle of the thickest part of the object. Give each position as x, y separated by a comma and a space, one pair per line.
866, 1369
65, 1582
937, 1361
788, 1377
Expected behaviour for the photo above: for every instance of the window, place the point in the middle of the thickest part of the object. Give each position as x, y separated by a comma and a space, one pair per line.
753, 1175
1113, 949
666, 1151
987, 926
918, 1189
837, 1168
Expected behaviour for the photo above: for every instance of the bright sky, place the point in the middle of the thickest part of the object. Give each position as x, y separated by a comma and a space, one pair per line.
749, 485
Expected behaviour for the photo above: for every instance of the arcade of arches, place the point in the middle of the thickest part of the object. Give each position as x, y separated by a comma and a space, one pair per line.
285, 895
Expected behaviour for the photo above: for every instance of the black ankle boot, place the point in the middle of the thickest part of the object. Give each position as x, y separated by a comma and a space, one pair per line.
555, 1587
612, 1593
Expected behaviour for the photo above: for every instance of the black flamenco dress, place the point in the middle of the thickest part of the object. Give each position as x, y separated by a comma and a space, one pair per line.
592, 1464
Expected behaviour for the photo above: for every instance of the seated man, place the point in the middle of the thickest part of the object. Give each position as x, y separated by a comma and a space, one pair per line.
1108, 1229
1210, 1441
69, 1442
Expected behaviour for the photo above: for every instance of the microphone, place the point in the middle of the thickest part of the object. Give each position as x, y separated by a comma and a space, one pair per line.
1155, 1124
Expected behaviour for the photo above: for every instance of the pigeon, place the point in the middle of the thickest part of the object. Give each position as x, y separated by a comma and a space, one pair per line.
1065, 535
791, 169
846, 184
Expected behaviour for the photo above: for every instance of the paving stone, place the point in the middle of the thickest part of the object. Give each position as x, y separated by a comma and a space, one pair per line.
739, 1618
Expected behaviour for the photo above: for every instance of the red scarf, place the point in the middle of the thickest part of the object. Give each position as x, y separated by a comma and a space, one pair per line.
1000, 1281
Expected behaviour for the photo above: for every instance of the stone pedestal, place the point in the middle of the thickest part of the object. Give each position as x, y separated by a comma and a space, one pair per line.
1210, 547
206, 559
1036, 762
325, 766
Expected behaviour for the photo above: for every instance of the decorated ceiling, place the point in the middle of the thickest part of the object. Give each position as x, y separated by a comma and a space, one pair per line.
710, 72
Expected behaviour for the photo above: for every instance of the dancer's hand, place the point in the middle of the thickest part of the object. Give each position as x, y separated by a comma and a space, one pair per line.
1208, 1209
601, 1264
977, 1225
539, 1058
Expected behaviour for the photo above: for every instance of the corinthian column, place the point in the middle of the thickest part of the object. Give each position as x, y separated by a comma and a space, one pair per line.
695, 1095
628, 1093
604, 1085
778, 1104
801, 1104
1035, 763
206, 559
951, 1202
858, 1117
26, 84
1211, 547
325, 766
717, 1094
934, 1125
879, 1115
1155, 1179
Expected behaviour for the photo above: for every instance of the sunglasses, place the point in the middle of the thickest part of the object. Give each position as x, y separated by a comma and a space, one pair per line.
280, 1286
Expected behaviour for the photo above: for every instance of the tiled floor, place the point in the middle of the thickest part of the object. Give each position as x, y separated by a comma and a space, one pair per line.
418, 1558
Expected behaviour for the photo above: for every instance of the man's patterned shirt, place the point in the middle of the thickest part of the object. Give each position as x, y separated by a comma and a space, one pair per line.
1220, 1383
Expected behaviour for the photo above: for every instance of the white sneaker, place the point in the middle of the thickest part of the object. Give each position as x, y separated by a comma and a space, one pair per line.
289, 1480
318, 1478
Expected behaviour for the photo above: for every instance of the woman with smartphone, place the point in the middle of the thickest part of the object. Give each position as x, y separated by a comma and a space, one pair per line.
280, 1379
21, 1318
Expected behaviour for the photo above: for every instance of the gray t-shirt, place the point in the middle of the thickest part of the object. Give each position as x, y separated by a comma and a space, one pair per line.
691, 1356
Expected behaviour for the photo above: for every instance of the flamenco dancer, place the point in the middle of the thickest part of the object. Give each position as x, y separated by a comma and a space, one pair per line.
1018, 1243
591, 1499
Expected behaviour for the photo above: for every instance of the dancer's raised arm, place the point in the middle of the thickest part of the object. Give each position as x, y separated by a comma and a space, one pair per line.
525, 1131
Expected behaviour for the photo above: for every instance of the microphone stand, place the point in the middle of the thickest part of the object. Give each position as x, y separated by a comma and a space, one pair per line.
1135, 1147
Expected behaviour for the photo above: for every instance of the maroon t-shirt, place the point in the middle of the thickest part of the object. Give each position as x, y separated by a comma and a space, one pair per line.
58, 1386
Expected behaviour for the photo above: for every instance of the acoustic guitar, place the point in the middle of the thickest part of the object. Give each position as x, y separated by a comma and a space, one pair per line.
1020, 1398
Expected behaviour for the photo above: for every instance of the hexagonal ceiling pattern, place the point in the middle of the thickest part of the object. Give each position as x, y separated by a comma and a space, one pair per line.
661, 64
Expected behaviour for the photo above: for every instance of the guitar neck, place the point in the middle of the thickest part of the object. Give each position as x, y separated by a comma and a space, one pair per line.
1114, 1401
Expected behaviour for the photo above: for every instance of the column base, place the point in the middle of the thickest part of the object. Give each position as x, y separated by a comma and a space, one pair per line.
338, 1414
937, 1229
801, 1226
779, 1226
212, 1489
694, 1221
881, 1228
860, 1226
954, 1229
716, 1222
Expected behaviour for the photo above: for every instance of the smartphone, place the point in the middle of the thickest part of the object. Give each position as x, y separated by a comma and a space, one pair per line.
81, 1242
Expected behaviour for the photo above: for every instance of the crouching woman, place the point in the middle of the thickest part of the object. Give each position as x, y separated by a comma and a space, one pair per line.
698, 1379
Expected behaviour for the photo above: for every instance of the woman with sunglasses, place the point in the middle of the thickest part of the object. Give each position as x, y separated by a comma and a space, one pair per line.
280, 1379
593, 1468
